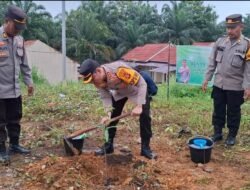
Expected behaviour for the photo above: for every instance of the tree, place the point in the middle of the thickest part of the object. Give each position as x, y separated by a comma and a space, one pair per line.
246, 30
203, 17
3, 9
39, 23
86, 37
132, 24
177, 24
188, 21
106, 30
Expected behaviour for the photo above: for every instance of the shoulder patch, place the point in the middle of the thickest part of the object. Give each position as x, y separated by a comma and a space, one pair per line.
248, 49
248, 55
129, 76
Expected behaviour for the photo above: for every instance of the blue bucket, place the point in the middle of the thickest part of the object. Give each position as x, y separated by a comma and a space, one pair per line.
200, 149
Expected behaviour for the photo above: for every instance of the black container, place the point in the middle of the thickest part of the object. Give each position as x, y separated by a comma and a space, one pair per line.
76, 142
201, 154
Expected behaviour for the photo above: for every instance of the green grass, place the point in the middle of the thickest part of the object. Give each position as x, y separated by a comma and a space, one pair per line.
64, 101
187, 106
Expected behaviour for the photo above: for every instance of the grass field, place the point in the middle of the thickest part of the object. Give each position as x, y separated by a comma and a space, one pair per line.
55, 111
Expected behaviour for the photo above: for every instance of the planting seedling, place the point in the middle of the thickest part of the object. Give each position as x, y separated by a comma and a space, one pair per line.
73, 143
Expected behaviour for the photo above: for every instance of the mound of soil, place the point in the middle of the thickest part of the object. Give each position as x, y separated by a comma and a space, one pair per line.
88, 172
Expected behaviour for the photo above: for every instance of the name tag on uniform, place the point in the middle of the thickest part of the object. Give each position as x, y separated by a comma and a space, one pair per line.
240, 51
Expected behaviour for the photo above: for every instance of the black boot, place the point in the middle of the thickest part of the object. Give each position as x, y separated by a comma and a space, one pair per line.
4, 156
107, 148
230, 141
146, 151
231, 138
16, 148
217, 136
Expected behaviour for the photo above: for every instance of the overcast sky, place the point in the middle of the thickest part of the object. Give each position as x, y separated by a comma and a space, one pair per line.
222, 8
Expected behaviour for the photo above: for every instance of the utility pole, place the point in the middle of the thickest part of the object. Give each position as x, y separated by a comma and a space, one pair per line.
63, 42
169, 46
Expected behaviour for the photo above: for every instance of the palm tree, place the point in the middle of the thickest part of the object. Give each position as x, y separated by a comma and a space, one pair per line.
178, 25
138, 24
130, 35
86, 37
204, 18
38, 20
3, 8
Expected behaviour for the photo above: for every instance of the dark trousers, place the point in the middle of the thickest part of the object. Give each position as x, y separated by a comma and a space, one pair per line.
145, 119
10, 116
227, 105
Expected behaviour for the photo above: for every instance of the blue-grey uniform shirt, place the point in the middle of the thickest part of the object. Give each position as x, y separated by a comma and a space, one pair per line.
229, 62
118, 89
13, 59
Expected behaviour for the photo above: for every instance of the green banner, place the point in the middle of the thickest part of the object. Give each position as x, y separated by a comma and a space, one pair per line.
191, 64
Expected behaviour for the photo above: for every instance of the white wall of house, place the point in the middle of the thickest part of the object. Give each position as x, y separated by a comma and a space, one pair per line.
48, 61
158, 77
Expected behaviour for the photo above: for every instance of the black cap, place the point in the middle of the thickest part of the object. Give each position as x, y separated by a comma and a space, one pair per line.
18, 16
233, 20
87, 68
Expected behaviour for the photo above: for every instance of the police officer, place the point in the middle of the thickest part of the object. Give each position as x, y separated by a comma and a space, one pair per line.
12, 60
230, 63
117, 83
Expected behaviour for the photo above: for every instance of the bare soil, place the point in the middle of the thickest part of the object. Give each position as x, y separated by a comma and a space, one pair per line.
47, 167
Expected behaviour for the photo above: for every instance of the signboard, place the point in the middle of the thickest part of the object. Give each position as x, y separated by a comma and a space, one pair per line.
191, 64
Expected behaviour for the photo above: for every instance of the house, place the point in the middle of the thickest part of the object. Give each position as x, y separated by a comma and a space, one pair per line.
155, 58
48, 62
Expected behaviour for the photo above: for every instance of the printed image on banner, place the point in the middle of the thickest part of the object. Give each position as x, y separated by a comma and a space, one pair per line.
191, 64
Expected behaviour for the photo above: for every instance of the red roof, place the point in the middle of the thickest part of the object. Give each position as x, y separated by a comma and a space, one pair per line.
152, 53
203, 43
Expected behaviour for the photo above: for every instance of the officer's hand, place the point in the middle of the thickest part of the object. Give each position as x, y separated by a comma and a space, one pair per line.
105, 120
30, 90
137, 110
247, 94
204, 86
